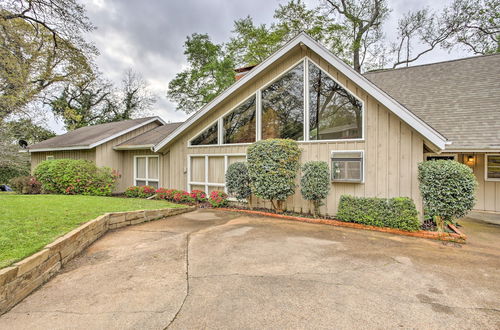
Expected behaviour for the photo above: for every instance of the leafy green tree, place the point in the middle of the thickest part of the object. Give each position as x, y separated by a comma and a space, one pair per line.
315, 183
238, 182
210, 71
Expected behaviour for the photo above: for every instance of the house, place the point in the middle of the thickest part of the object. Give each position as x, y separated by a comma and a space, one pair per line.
373, 129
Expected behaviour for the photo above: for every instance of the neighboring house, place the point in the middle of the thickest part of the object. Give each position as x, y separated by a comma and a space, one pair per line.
372, 129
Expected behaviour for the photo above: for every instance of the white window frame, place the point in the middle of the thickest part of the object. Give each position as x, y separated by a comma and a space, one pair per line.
207, 184
443, 155
147, 180
258, 103
486, 178
363, 165
49, 157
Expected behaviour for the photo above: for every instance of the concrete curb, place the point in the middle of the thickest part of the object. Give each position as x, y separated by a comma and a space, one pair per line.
457, 236
22, 278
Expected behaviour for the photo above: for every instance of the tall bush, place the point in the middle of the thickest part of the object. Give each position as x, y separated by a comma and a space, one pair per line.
72, 176
272, 167
447, 188
315, 183
238, 182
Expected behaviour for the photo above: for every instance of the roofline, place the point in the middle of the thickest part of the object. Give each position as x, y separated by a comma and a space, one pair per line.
466, 150
134, 147
98, 143
406, 115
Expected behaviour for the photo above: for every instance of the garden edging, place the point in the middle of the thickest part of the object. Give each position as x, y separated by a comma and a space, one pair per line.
456, 236
22, 278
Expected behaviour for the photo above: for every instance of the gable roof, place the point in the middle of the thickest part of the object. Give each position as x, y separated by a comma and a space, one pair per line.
91, 136
148, 139
303, 39
459, 98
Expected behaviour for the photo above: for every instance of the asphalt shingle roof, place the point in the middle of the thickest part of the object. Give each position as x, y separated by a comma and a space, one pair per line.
151, 137
459, 98
85, 136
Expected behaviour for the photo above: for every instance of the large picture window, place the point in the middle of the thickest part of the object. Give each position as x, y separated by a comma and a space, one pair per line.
334, 113
304, 103
239, 124
283, 106
207, 137
493, 167
146, 171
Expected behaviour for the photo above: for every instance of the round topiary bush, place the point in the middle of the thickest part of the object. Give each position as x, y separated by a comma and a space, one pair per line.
75, 176
272, 167
238, 182
315, 183
447, 188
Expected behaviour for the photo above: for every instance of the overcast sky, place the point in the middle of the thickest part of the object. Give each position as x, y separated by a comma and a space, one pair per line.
148, 35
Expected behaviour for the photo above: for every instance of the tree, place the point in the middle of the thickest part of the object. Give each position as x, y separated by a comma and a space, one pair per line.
315, 183
238, 182
363, 21
210, 71
96, 101
30, 65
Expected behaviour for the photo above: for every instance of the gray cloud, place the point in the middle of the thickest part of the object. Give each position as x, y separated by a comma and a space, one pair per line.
148, 35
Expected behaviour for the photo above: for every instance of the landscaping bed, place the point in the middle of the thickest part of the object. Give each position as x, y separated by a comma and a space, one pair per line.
29, 222
453, 236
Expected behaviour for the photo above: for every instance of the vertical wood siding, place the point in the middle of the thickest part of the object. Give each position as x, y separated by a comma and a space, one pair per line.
392, 148
38, 157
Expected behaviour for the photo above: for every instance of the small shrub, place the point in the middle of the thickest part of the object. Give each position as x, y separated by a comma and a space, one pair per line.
132, 192
72, 176
140, 191
217, 198
181, 196
315, 183
199, 196
26, 185
447, 188
272, 167
238, 182
399, 212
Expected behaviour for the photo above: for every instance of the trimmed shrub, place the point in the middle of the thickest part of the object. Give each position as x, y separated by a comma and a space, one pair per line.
199, 196
26, 185
217, 198
140, 191
399, 212
72, 176
238, 182
447, 188
166, 194
181, 196
272, 167
315, 183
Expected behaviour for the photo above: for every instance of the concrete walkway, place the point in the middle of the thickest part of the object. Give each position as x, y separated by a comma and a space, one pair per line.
210, 269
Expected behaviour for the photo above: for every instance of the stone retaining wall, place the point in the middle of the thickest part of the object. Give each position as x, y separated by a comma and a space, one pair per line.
22, 278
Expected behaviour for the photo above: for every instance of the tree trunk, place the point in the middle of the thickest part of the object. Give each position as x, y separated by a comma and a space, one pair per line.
249, 202
355, 60
439, 223
279, 206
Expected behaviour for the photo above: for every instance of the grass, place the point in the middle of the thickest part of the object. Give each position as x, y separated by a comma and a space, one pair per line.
29, 222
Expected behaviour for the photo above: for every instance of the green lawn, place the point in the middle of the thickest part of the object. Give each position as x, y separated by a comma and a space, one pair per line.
29, 222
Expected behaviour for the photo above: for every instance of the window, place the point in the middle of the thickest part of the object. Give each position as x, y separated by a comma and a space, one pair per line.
334, 113
146, 171
347, 166
49, 157
283, 106
208, 172
207, 137
492, 167
239, 124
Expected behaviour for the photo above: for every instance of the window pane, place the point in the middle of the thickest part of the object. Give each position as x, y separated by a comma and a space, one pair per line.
153, 184
140, 167
239, 125
208, 136
494, 167
283, 106
334, 113
140, 183
153, 168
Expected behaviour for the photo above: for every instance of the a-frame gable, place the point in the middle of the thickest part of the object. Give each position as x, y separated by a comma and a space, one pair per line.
303, 39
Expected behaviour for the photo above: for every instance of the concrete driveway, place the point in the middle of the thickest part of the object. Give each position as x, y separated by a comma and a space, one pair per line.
212, 269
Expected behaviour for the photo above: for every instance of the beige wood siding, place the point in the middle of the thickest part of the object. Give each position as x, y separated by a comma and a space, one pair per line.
38, 157
107, 156
392, 148
488, 192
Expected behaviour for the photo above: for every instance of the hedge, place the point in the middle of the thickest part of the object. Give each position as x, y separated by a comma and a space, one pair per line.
398, 212
315, 183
